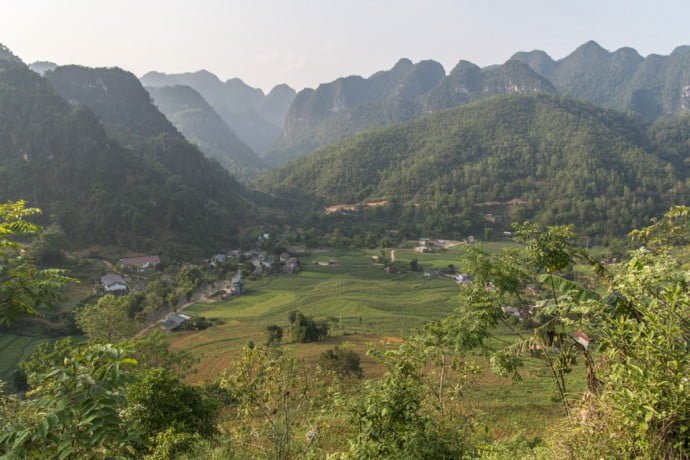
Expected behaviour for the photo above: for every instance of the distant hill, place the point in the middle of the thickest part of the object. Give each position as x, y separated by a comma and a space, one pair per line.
562, 161
653, 86
350, 105
117, 97
257, 119
200, 124
41, 67
7, 55
158, 194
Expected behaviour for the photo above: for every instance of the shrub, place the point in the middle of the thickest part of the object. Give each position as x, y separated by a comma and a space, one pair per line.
342, 361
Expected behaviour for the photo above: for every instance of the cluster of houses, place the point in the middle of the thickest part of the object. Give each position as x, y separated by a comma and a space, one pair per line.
431, 245
262, 262
113, 283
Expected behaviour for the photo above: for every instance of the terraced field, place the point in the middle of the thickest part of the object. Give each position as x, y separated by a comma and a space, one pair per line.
13, 349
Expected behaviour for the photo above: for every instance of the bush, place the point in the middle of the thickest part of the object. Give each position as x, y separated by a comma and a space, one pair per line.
304, 329
342, 361
274, 335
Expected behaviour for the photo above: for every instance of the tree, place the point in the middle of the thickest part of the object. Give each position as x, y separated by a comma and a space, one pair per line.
304, 329
274, 335
276, 398
159, 401
107, 321
642, 327
24, 288
342, 361
75, 406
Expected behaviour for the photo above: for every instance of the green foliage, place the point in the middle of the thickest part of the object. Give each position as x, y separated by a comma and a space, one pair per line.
391, 415
274, 335
158, 401
643, 408
342, 361
74, 407
305, 329
156, 192
24, 288
152, 350
108, 320
276, 398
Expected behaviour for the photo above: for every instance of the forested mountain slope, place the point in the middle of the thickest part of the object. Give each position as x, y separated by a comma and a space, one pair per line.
161, 193
350, 105
569, 162
200, 124
652, 86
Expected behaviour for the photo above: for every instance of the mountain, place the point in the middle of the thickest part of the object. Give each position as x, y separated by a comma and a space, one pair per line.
556, 159
652, 86
158, 194
7, 55
41, 67
350, 105
257, 119
200, 124
117, 97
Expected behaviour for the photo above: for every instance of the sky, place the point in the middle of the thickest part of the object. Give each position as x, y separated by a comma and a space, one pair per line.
306, 42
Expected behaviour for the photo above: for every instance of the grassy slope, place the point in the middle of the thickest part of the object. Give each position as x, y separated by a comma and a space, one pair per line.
389, 306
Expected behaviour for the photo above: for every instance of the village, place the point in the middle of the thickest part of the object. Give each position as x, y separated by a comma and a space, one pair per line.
225, 276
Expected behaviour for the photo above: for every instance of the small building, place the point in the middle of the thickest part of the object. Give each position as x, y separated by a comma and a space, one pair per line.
113, 284
582, 338
391, 269
284, 257
292, 265
173, 322
141, 263
470, 239
233, 254
238, 283
422, 249
512, 311
218, 259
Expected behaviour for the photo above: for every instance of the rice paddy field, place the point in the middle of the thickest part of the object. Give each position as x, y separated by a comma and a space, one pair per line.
13, 349
367, 307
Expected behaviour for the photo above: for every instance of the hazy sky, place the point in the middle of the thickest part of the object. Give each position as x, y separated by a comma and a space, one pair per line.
303, 42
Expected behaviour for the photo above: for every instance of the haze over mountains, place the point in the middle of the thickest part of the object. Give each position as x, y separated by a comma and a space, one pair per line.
651, 87
402, 135
255, 117
200, 124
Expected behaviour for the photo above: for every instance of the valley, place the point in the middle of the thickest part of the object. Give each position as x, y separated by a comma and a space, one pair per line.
489, 262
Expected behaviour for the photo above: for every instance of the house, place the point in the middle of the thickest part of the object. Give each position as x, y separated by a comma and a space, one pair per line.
470, 239
238, 283
113, 284
218, 259
141, 263
284, 256
173, 322
233, 254
422, 249
292, 265
582, 338
391, 269
460, 278
512, 311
